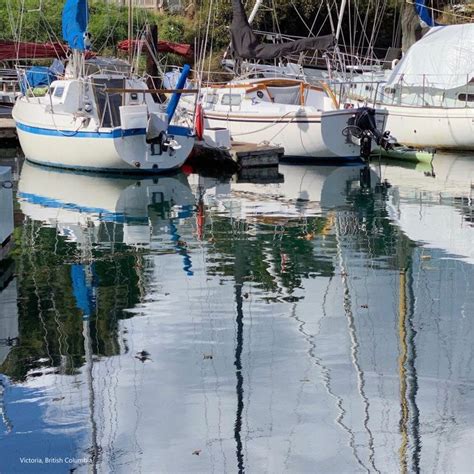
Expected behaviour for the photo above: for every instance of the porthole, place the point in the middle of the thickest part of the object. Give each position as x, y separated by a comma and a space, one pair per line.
466, 97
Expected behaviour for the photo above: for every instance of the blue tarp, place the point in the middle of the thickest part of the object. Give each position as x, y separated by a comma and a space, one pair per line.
424, 13
37, 76
75, 19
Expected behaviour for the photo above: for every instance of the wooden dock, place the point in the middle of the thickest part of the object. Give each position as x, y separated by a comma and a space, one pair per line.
249, 155
7, 129
240, 156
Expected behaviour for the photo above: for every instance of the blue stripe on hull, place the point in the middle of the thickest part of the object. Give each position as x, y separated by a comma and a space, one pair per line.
114, 171
105, 214
115, 133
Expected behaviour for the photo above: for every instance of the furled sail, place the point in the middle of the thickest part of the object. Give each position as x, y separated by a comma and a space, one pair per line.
426, 17
246, 45
75, 18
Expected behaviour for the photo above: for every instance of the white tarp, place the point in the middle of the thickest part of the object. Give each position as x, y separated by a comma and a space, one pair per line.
444, 56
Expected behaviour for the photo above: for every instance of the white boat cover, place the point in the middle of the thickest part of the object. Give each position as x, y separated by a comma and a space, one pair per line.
443, 56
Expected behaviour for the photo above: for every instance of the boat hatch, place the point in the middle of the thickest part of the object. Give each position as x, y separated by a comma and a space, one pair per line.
108, 104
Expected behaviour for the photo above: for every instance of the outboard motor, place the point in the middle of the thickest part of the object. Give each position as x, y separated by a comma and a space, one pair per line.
362, 126
157, 135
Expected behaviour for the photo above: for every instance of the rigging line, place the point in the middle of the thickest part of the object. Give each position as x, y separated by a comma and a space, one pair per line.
378, 23
33, 237
300, 17
109, 35
347, 304
276, 121
378, 15
50, 31
323, 24
363, 26
212, 41
326, 378
201, 64
363, 34
316, 16
299, 416
352, 28
95, 450
19, 29
275, 18
331, 21
11, 19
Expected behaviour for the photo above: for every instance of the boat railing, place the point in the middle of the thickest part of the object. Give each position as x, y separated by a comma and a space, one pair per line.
423, 90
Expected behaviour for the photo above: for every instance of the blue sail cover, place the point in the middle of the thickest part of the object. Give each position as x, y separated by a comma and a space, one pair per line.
424, 13
75, 19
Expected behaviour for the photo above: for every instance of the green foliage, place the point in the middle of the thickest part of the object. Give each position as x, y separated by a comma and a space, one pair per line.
29, 24
175, 28
50, 322
108, 23
202, 19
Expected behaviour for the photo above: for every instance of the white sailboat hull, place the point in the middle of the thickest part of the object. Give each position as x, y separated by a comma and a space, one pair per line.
69, 141
103, 152
442, 128
316, 136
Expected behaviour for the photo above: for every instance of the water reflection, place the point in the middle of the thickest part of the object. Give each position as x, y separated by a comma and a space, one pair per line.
187, 324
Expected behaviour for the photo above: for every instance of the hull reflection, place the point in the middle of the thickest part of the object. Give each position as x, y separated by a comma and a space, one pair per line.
73, 202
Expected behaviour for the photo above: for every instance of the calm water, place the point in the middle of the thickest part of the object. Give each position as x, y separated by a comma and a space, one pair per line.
188, 324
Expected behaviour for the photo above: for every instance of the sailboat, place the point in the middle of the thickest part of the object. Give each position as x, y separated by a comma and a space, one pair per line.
98, 116
305, 119
429, 96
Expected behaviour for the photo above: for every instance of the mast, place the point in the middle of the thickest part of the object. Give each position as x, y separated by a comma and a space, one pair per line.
130, 30
339, 21
254, 11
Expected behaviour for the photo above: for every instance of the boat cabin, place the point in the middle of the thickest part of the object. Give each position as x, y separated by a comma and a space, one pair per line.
285, 92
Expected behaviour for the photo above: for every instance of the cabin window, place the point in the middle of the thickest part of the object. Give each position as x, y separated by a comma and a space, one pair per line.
59, 91
212, 99
466, 97
51, 90
108, 105
231, 99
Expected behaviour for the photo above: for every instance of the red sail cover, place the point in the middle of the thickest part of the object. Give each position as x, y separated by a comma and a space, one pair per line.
14, 50
163, 46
